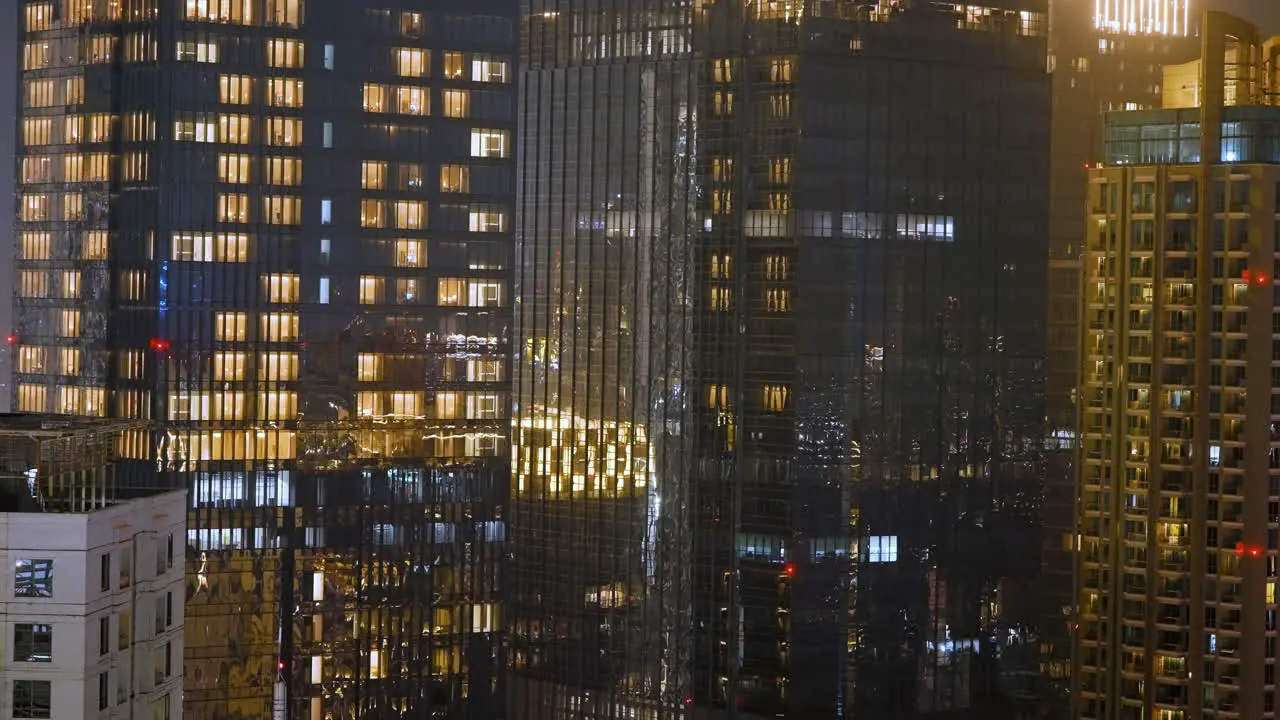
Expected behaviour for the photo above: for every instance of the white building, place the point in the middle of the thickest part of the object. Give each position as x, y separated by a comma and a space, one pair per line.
91, 611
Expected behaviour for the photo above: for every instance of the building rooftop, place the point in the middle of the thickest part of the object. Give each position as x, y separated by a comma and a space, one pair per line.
1250, 134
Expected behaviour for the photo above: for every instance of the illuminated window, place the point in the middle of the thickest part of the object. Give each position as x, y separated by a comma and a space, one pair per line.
73, 90
284, 131
70, 284
277, 405
373, 175
37, 131
100, 127
278, 327
69, 323
285, 13
491, 70
227, 11
451, 291
284, 92
39, 93
721, 267
411, 253
284, 170
411, 24
39, 169
234, 129
141, 47
90, 167
407, 290
68, 361
278, 367
721, 202
33, 207
282, 209
485, 293
368, 367
455, 178
33, 284
485, 370
721, 299
192, 51
375, 97
33, 245
457, 103
776, 397
102, 48
131, 364
882, 549
721, 168
780, 202
449, 405
489, 143
780, 170
235, 89
32, 398
230, 326
132, 285
412, 101
72, 207
233, 168
31, 359
370, 290
136, 166
454, 66
284, 53
487, 218
281, 287
194, 130
372, 213
781, 71
408, 176
35, 55
780, 106
139, 127
39, 16
718, 397
410, 62
207, 247
95, 245
229, 366
778, 300
777, 267
233, 207
722, 70
410, 214
722, 103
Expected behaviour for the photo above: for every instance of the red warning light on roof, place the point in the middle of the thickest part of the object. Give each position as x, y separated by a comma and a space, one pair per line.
159, 344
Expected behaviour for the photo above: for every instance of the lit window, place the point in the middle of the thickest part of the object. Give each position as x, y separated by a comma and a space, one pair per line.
277, 405
410, 253
33, 284
777, 267
194, 129
35, 55
410, 214
72, 207
73, 90
69, 323
457, 103
326, 211
721, 168
95, 245
375, 97
285, 13
722, 103
721, 202
449, 405
39, 16
329, 52
721, 299
230, 326
136, 166
718, 397
234, 129
34, 245
781, 71
284, 53
37, 131
233, 207
203, 52
284, 170
484, 370
780, 170
284, 92
39, 93
31, 359
372, 213
227, 11
485, 293
491, 70
229, 366
721, 267
409, 176
778, 300
282, 209
278, 367
278, 327
34, 207
489, 143
284, 131
410, 62
450, 291
70, 284
776, 397
207, 247
281, 287
139, 127
411, 24
882, 549
407, 290
412, 101
32, 398
233, 168
369, 367
487, 218
39, 169
455, 178
370, 290
68, 361
102, 48
373, 175
453, 65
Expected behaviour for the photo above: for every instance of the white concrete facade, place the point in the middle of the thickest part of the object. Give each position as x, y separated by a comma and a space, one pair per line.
89, 601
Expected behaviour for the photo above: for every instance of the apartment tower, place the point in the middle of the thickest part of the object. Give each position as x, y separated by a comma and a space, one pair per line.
279, 230
779, 406
1179, 462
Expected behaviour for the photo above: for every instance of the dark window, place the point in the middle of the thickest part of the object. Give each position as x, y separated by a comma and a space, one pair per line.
169, 551
104, 635
104, 691
32, 643
31, 698
104, 581
33, 578
168, 609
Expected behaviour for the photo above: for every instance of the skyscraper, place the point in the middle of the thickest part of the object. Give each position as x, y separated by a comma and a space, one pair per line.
779, 356
280, 230
1179, 496
1104, 56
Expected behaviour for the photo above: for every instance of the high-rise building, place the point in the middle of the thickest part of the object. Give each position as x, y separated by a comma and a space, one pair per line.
779, 338
92, 590
1104, 56
280, 230
1179, 488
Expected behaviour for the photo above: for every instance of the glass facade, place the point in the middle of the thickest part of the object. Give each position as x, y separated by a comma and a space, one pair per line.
779, 359
281, 232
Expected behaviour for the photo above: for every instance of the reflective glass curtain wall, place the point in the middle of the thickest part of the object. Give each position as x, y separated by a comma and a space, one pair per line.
280, 231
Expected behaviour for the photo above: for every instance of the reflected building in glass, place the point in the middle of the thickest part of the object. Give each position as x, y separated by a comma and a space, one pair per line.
779, 355
281, 232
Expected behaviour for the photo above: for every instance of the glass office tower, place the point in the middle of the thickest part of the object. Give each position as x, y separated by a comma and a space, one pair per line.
280, 231
779, 356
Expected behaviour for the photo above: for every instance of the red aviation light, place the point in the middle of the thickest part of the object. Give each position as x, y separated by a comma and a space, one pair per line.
1260, 278
1246, 275
159, 344
1250, 550
12, 339
789, 569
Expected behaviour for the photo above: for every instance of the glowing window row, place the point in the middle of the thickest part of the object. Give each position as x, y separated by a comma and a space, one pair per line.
34, 359
280, 92
35, 283
272, 326
272, 405
34, 245
85, 401
285, 13
276, 209
280, 53
237, 130
371, 367
409, 176
75, 167
40, 16
450, 292
68, 130
451, 405
50, 207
